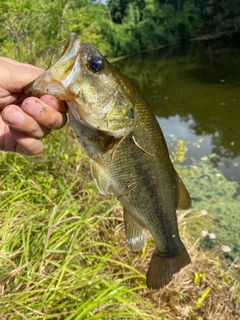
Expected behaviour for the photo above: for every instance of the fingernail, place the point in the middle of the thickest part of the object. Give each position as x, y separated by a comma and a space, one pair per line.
50, 100
12, 116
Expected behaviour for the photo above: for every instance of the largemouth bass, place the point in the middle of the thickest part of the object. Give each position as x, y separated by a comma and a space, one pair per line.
127, 149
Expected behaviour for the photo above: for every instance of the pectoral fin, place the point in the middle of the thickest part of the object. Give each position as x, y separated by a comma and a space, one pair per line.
184, 200
135, 234
99, 177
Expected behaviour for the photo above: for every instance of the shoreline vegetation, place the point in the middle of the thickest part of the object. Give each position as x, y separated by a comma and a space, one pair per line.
63, 253
207, 37
116, 28
62, 245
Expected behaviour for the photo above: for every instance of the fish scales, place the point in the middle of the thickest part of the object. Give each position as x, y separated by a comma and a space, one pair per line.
134, 167
127, 149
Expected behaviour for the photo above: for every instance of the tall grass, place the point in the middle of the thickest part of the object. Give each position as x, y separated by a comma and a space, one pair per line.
63, 253
60, 258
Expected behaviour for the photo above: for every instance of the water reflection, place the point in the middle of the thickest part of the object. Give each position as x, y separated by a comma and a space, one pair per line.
194, 91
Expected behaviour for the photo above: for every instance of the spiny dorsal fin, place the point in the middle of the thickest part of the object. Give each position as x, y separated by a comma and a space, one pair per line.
184, 200
99, 177
135, 234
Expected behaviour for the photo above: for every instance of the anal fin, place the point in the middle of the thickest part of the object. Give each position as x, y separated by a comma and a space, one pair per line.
135, 234
99, 177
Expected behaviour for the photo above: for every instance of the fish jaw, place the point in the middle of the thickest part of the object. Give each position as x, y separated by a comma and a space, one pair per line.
55, 81
71, 79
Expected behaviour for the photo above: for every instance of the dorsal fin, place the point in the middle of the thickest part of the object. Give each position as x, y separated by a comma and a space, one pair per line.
184, 200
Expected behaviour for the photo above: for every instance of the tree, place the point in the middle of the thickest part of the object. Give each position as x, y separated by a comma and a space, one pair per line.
118, 8
30, 29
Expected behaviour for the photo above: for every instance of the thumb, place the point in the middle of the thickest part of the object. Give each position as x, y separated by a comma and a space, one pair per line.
15, 75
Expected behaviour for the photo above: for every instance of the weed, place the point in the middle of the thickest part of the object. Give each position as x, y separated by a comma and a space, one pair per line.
63, 252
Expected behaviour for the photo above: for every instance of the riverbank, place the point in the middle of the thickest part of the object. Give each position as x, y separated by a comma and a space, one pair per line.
207, 37
63, 252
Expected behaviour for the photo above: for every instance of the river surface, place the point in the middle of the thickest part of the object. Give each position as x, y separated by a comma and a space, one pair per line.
194, 90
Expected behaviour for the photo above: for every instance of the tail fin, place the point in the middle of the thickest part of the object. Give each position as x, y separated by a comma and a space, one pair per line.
162, 267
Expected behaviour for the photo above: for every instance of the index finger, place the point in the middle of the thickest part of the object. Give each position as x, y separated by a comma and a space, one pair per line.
55, 103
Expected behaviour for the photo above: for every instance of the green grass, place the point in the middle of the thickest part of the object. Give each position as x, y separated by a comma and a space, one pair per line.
60, 258
63, 252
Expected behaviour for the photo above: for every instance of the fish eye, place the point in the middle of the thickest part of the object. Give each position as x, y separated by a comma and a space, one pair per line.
95, 63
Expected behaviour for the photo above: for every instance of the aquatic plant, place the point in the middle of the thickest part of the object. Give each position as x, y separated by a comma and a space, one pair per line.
215, 206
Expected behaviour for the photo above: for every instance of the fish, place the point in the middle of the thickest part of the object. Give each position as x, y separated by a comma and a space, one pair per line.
127, 150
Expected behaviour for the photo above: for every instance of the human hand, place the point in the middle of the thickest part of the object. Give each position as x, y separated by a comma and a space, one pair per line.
22, 128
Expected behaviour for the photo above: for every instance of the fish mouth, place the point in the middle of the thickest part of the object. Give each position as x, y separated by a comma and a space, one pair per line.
59, 81
57, 78
69, 63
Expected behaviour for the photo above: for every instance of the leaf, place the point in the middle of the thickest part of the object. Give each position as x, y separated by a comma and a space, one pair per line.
201, 299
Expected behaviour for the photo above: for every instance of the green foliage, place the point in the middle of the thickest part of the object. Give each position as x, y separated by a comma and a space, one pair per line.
150, 26
198, 277
85, 20
228, 16
60, 255
179, 154
150, 23
119, 8
189, 20
27, 26
119, 38
203, 296
63, 253
215, 206
31, 29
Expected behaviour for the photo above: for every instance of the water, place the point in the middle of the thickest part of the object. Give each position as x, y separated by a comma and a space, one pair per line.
194, 90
